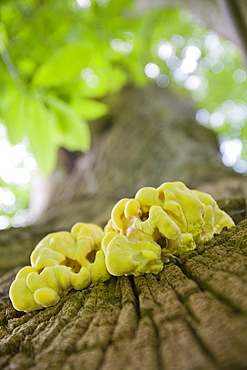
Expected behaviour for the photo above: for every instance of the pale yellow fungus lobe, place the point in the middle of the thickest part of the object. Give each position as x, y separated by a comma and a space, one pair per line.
162, 222
60, 262
135, 255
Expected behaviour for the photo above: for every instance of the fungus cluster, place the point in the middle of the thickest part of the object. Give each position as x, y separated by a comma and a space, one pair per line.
141, 235
61, 261
143, 232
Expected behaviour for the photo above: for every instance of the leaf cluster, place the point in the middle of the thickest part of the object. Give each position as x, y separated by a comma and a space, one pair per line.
60, 58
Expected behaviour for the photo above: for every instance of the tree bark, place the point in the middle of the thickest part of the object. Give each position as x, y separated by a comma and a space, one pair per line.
189, 318
153, 138
150, 137
191, 315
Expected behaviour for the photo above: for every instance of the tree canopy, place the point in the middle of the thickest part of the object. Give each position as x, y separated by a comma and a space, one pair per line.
60, 59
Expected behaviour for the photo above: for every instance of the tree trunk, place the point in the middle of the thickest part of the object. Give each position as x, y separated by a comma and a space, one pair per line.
191, 316
150, 137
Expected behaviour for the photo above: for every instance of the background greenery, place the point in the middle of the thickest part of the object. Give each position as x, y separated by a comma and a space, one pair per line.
60, 58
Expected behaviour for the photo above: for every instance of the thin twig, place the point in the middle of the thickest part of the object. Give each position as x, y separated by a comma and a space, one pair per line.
10, 66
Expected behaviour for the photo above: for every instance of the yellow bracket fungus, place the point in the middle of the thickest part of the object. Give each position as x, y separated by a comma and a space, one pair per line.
142, 234
61, 261
145, 231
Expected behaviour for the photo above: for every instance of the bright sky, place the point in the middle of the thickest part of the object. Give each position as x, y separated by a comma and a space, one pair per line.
17, 166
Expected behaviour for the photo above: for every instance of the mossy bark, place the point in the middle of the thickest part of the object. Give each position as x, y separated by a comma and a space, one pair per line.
188, 317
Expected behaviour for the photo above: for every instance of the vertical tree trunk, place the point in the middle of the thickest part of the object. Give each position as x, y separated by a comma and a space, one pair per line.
152, 138
191, 316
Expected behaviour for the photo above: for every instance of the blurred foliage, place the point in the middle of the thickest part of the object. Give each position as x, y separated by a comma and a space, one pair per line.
59, 58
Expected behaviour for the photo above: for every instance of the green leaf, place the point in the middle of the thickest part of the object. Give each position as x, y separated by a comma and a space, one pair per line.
109, 80
13, 112
63, 65
40, 133
89, 109
72, 131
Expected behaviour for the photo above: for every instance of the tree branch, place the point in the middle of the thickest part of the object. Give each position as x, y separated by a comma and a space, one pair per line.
236, 13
